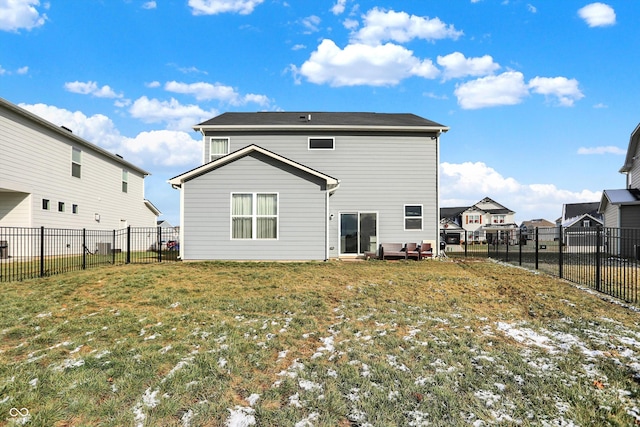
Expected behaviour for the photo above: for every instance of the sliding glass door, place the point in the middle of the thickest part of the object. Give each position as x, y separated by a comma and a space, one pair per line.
358, 232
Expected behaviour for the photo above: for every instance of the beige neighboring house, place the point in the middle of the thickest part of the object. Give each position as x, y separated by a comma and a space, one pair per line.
480, 223
51, 178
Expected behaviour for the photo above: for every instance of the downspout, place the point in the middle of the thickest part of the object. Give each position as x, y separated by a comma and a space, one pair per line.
437, 242
327, 219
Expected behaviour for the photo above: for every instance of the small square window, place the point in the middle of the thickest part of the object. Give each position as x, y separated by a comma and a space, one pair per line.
45, 204
60, 206
321, 143
74, 209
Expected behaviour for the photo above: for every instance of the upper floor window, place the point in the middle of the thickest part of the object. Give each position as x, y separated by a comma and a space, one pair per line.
321, 143
413, 217
218, 147
45, 204
474, 219
254, 216
125, 181
499, 219
76, 162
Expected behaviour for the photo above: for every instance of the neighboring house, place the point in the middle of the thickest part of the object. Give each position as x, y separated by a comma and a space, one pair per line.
51, 178
621, 208
480, 223
548, 232
578, 223
310, 186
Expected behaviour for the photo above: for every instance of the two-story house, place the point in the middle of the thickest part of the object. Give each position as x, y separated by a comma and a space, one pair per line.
309, 186
51, 178
480, 223
621, 208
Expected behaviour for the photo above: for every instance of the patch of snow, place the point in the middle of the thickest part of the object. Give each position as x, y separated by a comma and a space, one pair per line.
241, 417
252, 399
307, 422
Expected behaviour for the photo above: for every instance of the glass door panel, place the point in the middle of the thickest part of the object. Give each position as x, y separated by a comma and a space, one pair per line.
349, 233
368, 232
358, 232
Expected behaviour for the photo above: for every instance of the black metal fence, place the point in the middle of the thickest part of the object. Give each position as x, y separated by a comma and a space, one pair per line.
37, 252
602, 258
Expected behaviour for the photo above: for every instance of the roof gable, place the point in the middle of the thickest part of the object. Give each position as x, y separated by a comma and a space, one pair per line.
631, 150
177, 181
572, 210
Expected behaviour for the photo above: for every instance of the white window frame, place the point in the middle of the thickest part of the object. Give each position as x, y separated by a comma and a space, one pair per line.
406, 217
125, 181
333, 145
213, 156
499, 219
474, 218
78, 162
254, 215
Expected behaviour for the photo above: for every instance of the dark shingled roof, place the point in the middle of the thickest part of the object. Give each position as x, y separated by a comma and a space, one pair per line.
451, 212
319, 119
572, 210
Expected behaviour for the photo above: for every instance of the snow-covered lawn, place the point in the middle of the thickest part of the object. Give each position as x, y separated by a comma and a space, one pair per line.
366, 344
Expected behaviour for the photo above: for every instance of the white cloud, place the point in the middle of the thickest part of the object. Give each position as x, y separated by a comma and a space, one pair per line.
467, 183
350, 24
456, 65
2, 71
174, 114
91, 88
380, 25
531, 8
214, 7
98, 129
564, 89
153, 84
23, 70
311, 23
298, 47
339, 7
505, 89
598, 15
207, 91
609, 149
149, 5
162, 148
361, 64
20, 14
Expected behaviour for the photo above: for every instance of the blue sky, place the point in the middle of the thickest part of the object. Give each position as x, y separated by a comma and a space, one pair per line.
541, 96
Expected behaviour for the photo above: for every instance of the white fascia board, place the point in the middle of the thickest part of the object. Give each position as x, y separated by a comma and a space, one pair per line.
178, 180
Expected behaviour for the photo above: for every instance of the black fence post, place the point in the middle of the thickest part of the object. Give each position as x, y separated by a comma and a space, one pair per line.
537, 247
520, 246
113, 248
159, 244
128, 244
42, 251
84, 248
598, 243
507, 249
465, 244
560, 252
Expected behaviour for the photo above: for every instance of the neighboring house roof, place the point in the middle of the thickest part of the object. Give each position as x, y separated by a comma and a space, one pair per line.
539, 222
164, 223
452, 213
499, 209
627, 197
321, 120
572, 221
193, 173
634, 140
573, 210
151, 207
68, 134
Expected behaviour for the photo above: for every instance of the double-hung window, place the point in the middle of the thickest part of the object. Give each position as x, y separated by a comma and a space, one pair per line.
413, 217
254, 216
76, 162
125, 181
218, 147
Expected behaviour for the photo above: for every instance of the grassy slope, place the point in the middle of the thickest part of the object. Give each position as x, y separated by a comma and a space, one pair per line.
375, 343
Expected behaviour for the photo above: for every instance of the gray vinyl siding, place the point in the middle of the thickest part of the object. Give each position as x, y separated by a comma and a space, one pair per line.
207, 212
36, 160
630, 216
611, 216
377, 172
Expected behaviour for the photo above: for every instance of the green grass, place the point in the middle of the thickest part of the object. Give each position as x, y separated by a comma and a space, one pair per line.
335, 344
